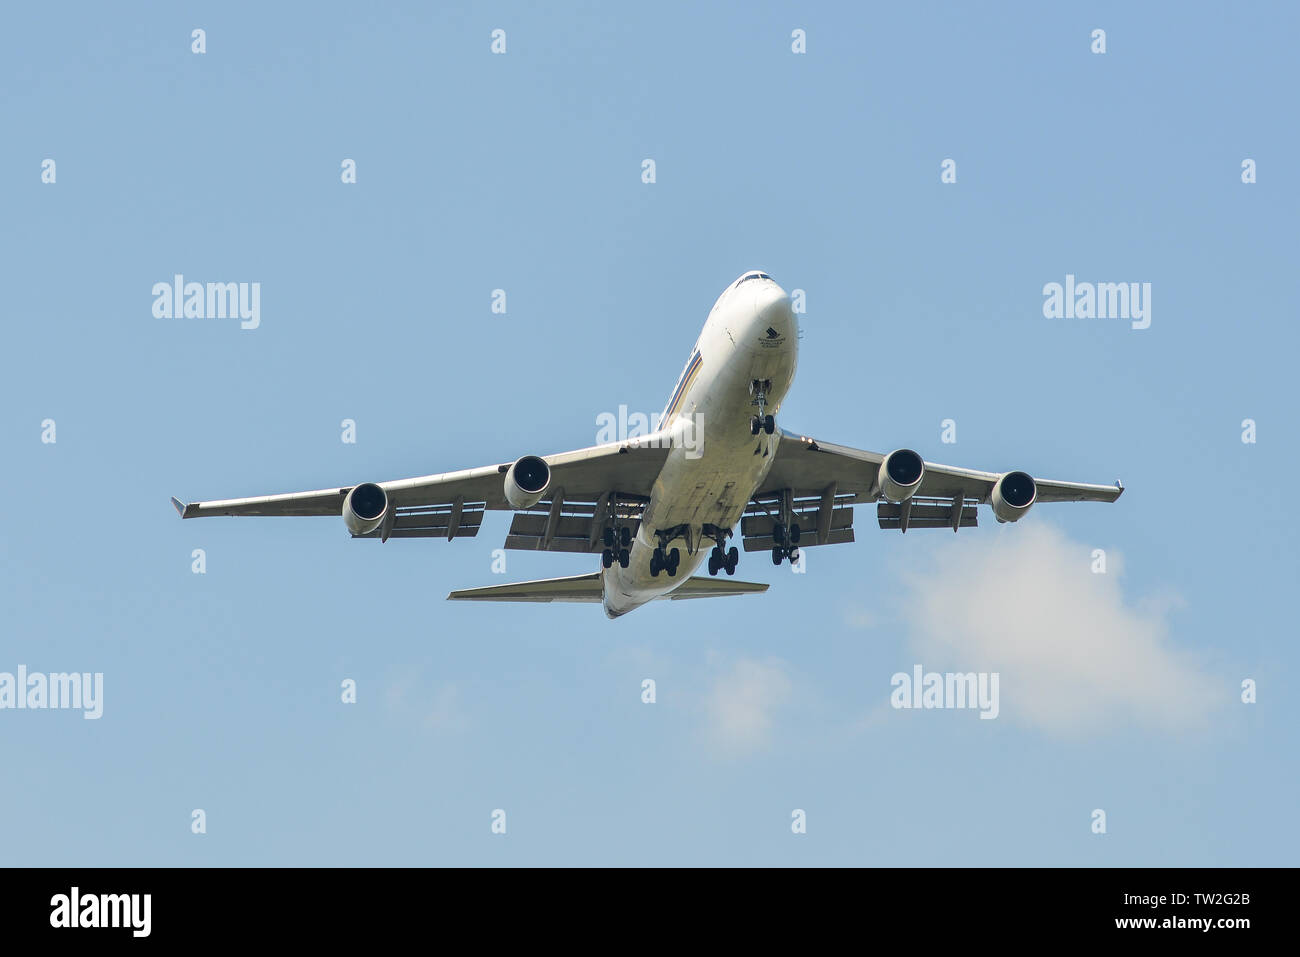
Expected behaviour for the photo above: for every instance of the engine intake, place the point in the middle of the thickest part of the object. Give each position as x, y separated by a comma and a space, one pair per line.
1012, 496
526, 482
900, 475
364, 508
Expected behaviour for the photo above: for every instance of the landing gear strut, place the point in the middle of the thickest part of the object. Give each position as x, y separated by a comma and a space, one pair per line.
617, 541
786, 542
722, 558
762, 422
661, 561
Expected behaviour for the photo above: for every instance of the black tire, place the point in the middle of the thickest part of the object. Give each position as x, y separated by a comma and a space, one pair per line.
733, 559
754, 425
624, 558
713, 564
769, 424
609, 538
674, 559
794, 534
654, 565
625, 536
778, 533
606, 558
776, 556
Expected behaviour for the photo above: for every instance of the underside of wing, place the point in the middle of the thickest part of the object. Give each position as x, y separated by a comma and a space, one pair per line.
435, 504
813, 485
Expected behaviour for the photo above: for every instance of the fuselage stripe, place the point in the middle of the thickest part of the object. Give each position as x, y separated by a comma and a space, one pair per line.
688, 377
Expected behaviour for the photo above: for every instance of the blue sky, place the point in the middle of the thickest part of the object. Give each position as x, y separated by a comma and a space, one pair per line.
522, 171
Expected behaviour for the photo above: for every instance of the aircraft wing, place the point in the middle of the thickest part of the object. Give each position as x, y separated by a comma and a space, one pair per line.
451, 504
818, 482
809, 466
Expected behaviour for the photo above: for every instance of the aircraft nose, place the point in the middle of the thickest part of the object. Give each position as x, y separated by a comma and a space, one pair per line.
772, 311
770, 298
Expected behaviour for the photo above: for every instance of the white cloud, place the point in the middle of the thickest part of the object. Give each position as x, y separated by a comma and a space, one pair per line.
743, 701
1073, 654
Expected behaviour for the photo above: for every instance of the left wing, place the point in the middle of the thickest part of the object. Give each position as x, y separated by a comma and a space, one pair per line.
815, 483
808, 466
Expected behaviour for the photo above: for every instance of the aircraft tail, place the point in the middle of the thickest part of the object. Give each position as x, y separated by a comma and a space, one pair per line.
589, 588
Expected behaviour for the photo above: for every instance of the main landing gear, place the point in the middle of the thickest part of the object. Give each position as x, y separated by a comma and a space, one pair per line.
616, 547
762, 422
661, 561
722, 558
786, 542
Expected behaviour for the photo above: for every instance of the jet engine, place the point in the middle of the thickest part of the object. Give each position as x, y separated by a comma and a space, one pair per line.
1012, 496
526, 481
900, 475
364, 508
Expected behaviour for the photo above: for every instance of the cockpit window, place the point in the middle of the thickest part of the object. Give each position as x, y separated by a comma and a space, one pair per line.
753, 275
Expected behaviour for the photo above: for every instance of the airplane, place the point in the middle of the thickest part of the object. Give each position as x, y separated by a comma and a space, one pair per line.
651, 505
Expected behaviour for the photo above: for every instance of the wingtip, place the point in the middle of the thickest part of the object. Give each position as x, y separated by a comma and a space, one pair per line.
1119, 485
179, 506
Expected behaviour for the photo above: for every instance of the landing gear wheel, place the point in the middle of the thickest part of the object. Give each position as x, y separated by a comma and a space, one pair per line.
794, 534
713, 563
607, 558
625, 536
754, 425
769, 424
733, 559
655, 567
609, 538
624, 558
674, 559
778, 533
776, 555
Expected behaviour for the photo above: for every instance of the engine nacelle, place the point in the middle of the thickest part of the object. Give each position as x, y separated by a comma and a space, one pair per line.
1012, 496
364, 508
900, 475
526, 482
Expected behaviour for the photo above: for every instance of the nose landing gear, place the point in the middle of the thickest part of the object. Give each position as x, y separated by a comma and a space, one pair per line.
762, 422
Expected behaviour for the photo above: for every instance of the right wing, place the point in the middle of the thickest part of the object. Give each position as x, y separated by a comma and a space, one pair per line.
451, 504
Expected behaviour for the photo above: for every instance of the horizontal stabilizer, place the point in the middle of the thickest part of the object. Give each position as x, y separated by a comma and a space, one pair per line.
588, 588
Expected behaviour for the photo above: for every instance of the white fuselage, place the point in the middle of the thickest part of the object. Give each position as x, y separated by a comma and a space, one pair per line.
709, 479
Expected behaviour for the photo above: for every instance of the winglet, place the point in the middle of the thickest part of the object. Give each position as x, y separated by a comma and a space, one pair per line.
179, 506
1119, 485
